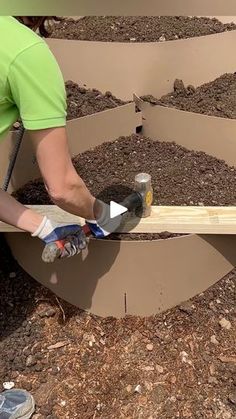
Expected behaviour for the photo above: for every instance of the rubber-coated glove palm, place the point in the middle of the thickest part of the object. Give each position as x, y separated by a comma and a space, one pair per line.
62, 240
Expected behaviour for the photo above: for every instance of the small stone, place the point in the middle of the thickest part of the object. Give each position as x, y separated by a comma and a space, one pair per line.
50, 312
16, 125
232, 398
12, 275
186, 307
149, 346
179, 85
30, 361
225, 324
162, 38
129, 388
214, 340
8, 385
132, 39
159, 369
138, 389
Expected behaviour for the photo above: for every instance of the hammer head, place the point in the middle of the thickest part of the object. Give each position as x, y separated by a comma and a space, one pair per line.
143, 186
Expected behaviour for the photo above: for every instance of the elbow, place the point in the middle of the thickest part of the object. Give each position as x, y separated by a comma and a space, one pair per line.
63, 194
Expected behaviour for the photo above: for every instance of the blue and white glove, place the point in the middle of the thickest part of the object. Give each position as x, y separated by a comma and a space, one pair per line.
62, 240
104, 225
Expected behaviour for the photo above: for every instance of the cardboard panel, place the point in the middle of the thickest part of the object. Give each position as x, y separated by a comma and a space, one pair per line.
83, 133
216, 136
124, 68
137, 278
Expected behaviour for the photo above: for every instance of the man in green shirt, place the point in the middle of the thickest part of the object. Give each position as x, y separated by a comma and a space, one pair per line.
32, 88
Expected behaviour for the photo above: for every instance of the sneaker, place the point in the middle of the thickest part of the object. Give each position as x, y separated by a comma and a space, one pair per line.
16, 404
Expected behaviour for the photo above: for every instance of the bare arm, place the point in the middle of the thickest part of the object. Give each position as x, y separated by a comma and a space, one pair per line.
65, 187
12, 212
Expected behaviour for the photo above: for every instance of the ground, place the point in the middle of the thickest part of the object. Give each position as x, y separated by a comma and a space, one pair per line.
180, 364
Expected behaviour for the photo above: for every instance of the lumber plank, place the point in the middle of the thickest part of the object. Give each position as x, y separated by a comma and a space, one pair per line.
175, 219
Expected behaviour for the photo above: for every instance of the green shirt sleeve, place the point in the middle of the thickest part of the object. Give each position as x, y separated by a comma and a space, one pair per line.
37, 88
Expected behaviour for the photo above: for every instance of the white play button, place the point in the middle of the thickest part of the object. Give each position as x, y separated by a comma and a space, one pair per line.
116, 209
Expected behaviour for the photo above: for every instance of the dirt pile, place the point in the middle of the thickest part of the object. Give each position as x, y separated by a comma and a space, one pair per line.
179, 176
216, 98
82, 101
138, 28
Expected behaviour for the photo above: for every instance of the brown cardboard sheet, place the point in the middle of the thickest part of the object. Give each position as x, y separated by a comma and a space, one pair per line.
138, 278
83, 133
151, 67
213, 135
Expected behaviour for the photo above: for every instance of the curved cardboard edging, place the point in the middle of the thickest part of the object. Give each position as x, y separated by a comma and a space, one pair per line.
150, 67
83, 134
213, 135
137, 278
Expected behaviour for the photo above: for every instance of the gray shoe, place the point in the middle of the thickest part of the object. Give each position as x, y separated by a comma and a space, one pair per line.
16, 404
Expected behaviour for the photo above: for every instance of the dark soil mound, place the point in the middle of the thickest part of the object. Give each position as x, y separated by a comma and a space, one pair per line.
82, 102
138, 28
179, 176
217, 98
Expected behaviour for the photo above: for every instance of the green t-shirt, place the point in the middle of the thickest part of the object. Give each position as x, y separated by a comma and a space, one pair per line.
31, 83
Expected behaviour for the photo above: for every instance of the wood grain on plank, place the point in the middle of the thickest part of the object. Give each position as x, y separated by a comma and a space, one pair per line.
175, 219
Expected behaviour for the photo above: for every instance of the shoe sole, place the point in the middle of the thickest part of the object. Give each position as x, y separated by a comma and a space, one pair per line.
30, 412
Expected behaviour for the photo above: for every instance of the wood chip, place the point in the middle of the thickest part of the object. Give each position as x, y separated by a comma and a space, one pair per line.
228, 359
58, 345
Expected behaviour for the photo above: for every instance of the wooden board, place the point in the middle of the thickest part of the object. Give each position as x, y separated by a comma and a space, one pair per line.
197, 220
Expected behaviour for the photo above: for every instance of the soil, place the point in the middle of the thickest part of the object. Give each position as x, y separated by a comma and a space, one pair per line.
179, 176
179, 364
217, 98
82, 101
138, 28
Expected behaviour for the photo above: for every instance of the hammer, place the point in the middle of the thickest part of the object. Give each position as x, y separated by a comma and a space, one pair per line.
139, 202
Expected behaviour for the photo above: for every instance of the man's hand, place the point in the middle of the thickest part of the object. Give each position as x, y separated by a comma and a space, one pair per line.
62, 240
104, 224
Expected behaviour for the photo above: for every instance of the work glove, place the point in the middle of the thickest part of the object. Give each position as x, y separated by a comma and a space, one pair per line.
61, 240
104, 225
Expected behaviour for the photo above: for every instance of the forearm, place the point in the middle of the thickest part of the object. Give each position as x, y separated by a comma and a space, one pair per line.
13, 213
65, 187
76, 198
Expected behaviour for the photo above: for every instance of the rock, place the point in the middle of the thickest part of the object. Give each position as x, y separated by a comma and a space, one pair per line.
162, 38
186, 307
8, 385
138, 389
159, 369
49, 312
225, 324
149, 346
232, 398
214, 340
12, 275
30, 361
179, 86
132, 39
129, 388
